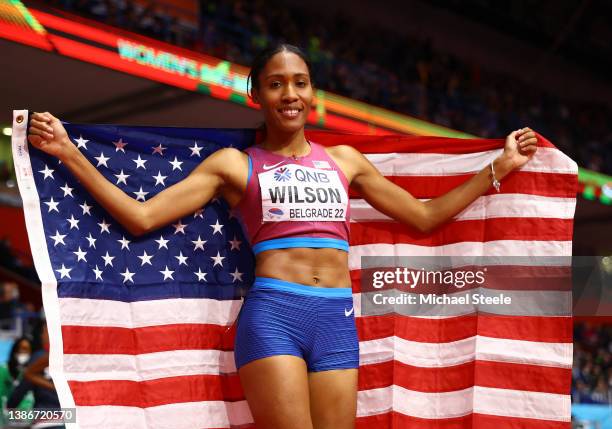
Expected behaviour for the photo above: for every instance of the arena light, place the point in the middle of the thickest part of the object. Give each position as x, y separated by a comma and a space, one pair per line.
7, 131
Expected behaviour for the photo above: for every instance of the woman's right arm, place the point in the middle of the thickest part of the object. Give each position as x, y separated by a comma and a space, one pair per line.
203, 183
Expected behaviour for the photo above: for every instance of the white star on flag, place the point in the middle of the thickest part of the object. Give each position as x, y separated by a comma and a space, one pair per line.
127, 276
145, 259
92, 241
74, 223
198, 244
167, 273
217, 227
162, 242
201, 275
67, 190
101, 160
218, 259
86, 208
98, 273
159, 149
81, 142
104, 226
176, 164
47, 172
199, 213
52, 205
159, 179
182, 259
119, 145
64, 272
140, 162
80, 255
140, 194
58, 238
121, 177
235, 243
179, 227
125, 243
108, 259
237, 275
195, 149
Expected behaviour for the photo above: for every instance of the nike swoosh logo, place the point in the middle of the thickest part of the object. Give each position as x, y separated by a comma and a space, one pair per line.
348, 313
267, 167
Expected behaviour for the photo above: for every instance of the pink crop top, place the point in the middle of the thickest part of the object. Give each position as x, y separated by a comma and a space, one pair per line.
295, 202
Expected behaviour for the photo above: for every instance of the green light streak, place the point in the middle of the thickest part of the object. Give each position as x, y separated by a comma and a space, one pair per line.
593, 177
28, 17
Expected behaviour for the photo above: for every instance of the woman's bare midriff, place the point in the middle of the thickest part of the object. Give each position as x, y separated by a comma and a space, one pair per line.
312, 267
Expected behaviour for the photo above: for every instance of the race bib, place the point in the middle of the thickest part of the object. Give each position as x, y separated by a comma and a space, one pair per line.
297, 193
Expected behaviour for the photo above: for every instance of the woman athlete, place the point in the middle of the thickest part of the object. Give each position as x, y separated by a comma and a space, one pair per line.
296, 342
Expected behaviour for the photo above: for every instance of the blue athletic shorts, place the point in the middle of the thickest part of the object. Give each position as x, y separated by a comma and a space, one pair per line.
283, 318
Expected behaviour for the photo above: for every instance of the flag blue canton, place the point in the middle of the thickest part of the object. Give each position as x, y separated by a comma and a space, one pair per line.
203, 254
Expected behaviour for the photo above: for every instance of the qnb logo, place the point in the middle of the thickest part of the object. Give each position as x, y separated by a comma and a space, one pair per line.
282, 174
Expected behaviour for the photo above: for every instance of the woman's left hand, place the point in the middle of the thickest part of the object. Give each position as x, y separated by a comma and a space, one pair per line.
520, 147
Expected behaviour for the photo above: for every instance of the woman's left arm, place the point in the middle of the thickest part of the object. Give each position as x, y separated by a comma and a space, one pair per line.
395, 202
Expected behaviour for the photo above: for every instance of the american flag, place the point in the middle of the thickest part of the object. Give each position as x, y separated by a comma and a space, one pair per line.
142, 332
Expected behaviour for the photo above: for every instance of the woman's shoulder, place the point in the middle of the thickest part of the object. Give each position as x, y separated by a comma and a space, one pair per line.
343, 151
226, 156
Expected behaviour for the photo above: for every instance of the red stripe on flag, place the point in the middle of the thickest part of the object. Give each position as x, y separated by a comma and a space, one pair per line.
393, 419
483, 421
150, 339
160, 391
517, 376
492, 229
501, 375
526, 328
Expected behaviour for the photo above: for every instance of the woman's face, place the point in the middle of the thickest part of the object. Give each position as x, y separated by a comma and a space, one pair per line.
23, 347
285, 93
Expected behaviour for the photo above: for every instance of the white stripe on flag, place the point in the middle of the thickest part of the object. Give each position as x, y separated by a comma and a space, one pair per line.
40, 255
501, 248
184, 415
150, 366
484, 400
436, 355
138, 314
545, 160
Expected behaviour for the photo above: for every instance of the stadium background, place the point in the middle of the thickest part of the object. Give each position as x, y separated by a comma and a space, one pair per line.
429, 68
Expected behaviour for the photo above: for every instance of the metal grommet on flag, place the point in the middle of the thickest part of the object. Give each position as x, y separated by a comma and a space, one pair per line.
19, 119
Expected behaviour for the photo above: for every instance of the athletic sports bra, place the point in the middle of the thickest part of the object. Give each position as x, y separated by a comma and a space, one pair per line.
295, 202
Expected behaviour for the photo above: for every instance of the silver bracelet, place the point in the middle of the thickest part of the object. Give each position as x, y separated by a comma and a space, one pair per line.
496, 183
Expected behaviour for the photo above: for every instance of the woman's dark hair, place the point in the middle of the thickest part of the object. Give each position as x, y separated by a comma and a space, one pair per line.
262, 58
13, 365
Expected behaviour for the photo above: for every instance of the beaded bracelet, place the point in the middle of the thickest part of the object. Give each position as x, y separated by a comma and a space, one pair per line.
496, 183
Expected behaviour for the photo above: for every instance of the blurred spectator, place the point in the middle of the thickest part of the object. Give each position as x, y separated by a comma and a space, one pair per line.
592, 369
36, 378
9, 299
11, 374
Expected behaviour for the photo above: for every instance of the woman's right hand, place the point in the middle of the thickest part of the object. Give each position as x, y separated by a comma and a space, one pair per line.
47, 133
